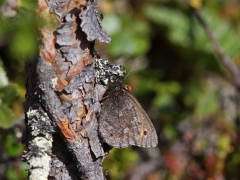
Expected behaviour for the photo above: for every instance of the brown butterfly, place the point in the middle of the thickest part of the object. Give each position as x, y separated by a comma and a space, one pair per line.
122, 120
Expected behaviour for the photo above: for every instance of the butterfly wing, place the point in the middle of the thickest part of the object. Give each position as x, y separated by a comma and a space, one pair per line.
148, 136
123, 122
116, 125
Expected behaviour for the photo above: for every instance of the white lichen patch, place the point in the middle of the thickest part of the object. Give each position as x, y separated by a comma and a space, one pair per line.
54, 81
105, 71
31, 113
40, 164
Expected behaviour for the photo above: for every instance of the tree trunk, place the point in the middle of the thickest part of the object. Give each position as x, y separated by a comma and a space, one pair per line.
62, 98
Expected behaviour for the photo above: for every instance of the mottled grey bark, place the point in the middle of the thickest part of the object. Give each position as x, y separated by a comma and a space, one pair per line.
39, 130
62, 99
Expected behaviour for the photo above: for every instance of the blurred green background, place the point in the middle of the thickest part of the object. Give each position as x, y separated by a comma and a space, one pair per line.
176, 76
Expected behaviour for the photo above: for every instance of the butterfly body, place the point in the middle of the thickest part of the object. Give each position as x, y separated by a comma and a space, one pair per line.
122, 121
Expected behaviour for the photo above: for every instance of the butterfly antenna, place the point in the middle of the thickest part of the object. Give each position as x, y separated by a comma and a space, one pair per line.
135, 64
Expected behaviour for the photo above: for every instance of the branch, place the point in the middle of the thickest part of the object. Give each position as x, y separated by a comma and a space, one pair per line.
227, 62
67, 95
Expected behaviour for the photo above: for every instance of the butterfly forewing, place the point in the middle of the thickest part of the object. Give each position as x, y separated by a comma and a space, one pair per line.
123, 122
115, 125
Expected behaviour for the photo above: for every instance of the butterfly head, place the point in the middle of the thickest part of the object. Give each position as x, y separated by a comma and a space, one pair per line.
116, 83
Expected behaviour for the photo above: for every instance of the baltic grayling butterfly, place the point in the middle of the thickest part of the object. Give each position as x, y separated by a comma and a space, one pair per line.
122, 120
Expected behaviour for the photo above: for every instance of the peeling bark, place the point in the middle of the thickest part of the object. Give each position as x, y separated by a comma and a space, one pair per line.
62, 99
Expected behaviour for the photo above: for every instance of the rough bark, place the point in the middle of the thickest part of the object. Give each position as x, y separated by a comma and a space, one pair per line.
62, 98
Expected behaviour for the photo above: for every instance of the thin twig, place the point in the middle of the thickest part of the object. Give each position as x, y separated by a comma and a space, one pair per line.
227, 62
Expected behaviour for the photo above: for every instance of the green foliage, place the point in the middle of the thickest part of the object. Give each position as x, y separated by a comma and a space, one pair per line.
176, 22
179, 26
20, 33
18, 42
13, 149
129, 36
169, 132
13, 174
24, 42
8, 94
119, 161
206, 104
6, 116
29, 4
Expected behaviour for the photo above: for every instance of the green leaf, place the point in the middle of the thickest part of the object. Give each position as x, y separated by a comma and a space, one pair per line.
179, 26
21, 34
29, 4
130, 37
24, 44
128, 44
17, 174
118, 161
2, 2
163, 101
111, 23
236, 157
207, 103
13, 148
8, 94
224, 145
176, 22
170, 132
6, 116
